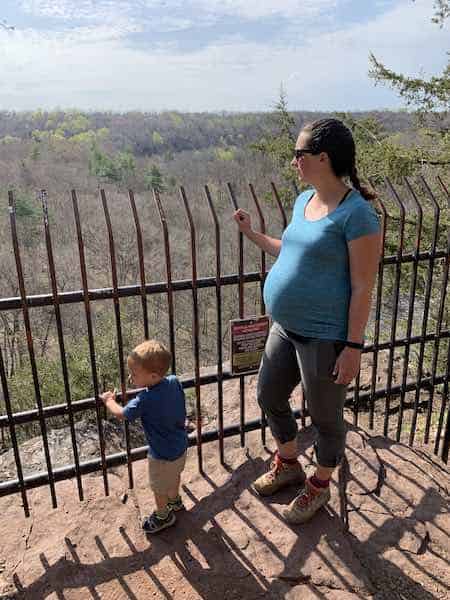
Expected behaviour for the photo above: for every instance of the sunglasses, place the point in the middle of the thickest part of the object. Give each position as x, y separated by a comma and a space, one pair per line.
299, 152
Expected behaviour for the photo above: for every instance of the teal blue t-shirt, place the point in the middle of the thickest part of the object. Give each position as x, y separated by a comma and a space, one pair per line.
307, 290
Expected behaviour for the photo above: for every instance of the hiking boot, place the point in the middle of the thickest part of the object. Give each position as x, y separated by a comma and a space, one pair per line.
280, 475
306, 504
176, 504
153, 523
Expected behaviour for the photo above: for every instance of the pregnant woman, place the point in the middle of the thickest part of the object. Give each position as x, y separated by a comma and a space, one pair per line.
318, 293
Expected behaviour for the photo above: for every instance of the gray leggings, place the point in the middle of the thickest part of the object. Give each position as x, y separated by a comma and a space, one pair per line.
285, 363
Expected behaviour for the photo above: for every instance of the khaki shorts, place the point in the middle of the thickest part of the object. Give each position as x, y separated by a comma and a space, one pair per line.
164, 475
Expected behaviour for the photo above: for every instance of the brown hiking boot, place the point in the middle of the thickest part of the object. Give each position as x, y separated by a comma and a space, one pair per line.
306, 504
279, 476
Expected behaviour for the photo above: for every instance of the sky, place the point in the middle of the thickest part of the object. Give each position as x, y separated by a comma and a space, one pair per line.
211, 55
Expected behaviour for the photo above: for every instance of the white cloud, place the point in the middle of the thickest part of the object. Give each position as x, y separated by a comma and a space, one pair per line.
74, 9
248, 9
255, 9
320, 70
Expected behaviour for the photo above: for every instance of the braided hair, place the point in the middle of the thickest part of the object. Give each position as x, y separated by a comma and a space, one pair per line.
336, 139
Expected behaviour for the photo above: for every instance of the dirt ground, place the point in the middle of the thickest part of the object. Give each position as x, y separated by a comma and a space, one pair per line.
383, 536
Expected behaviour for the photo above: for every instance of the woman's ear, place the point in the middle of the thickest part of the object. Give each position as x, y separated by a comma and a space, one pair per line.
323, 157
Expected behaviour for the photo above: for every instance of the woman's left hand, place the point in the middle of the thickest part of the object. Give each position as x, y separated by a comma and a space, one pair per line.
347, 365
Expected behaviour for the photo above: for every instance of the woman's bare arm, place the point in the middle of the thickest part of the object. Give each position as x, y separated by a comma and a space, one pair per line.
268, 244
364, 254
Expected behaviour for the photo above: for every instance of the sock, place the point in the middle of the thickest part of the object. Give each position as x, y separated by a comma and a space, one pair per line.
162, 514
175, 500
287, 461
319, 483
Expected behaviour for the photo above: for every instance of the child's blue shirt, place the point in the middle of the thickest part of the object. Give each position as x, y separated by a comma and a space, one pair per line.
162, 409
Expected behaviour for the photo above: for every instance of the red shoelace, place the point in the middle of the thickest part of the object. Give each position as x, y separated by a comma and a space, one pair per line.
308, 496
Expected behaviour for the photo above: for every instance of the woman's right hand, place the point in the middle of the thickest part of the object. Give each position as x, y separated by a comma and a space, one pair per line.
243, 220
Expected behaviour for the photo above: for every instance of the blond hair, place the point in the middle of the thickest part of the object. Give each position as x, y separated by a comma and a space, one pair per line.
152, 356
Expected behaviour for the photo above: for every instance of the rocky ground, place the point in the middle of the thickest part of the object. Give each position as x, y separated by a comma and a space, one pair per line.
383, 536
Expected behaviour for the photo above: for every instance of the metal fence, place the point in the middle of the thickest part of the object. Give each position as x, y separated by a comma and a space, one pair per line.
411, 286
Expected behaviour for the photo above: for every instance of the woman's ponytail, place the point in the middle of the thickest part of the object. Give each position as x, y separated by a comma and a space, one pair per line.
363, 190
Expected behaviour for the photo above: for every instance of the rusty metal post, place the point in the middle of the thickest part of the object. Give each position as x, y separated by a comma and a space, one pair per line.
412, 297
62, 350
262, 229
445, 392
436, 213
30, 345
218, 289
195, 327
13, 436
140, 248
393, 334
163, 221
87, 310
376, 335
115, 284
241, 310
279, 203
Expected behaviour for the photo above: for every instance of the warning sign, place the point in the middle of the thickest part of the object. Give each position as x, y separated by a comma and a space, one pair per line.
248, 338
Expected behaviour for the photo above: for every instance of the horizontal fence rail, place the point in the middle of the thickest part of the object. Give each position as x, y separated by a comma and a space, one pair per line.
402, 390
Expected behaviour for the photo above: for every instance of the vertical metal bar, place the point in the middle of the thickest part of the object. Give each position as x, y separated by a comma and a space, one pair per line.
436, 213
12, 433
195, 328
219, 325
356, 398
376, 334
62, 350
398, 267
279, 203
412, 297
438, 326
140, 247
30, 345
163, 220
262, 229
241, 313
444, 404
87, 309
115, 286
446, 441
444, 401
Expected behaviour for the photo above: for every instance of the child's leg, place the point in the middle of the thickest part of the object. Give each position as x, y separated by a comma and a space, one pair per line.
164, 478
175, 502
162, 517
161, 501
156, 473
174, 491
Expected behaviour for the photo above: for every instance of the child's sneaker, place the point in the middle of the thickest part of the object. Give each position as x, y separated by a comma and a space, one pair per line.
176, 504
153, 523
280, 475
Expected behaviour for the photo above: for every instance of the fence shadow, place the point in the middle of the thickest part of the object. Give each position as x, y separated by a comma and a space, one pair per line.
206, 555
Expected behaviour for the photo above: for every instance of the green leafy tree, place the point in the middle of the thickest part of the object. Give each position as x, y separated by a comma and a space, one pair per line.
157, 138
278, 145
430, 98
154, 180
116, 169
423, 94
